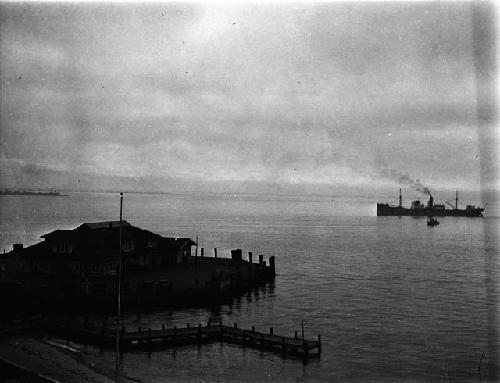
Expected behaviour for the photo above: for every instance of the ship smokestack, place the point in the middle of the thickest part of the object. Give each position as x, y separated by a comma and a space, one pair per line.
431, 201
400, 199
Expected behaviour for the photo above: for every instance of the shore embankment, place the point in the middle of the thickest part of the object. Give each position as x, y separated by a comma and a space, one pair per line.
37, 360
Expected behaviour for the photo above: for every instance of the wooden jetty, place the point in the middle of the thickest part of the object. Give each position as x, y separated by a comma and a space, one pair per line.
150, 340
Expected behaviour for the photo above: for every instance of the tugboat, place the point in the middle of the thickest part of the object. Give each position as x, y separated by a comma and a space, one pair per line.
432, 222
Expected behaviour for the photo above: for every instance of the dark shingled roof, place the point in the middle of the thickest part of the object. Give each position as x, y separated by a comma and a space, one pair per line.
103, 225
100, 241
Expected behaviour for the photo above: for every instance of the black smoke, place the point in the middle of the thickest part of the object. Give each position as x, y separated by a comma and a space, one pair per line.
405, 179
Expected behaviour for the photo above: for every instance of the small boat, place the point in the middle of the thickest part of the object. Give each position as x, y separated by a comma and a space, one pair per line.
432, 222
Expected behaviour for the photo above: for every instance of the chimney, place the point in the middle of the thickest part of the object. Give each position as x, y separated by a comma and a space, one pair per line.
17, 247
431, 201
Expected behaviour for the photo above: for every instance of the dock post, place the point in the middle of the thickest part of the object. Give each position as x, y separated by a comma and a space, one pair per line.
187, 325
261, 259
250, 256
271, 265
215, 252
163, 327
235, 325
271, 331
253, 328
319, 343
202, 252
295, 334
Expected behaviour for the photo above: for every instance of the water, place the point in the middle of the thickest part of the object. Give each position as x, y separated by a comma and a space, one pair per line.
392, 298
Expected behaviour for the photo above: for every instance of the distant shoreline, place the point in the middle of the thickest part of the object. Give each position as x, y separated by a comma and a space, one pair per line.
34, 193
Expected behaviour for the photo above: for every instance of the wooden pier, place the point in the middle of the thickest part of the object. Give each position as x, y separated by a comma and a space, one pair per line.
157, 339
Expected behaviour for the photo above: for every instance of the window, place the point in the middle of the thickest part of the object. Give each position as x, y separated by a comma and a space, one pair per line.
128, 246
62, 248
152, 242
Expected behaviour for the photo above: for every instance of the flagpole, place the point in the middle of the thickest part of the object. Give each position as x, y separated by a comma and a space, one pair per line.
118, 327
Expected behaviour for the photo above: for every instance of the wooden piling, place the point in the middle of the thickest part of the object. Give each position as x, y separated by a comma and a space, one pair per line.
271, 331
250, 256
271, 264
215, 252
261, 259
202, 252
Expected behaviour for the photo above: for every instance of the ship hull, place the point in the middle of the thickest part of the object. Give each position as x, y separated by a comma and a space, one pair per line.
386, 210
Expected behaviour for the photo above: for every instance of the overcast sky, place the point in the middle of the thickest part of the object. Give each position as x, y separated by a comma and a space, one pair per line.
333, 93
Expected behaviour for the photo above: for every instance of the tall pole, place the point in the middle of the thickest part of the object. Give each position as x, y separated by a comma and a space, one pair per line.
400, 198
118, 327
196, 251
456, 199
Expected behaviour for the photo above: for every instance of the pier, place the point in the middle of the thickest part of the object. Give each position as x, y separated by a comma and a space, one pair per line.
158, 339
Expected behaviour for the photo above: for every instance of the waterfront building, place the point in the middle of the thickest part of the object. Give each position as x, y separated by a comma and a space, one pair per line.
85, 258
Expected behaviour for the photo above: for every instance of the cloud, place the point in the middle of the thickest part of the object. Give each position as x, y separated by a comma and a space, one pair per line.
240, 92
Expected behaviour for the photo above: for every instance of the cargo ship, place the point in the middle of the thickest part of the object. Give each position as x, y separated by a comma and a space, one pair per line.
430, 210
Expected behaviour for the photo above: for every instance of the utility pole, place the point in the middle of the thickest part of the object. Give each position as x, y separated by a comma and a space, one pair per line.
118, 327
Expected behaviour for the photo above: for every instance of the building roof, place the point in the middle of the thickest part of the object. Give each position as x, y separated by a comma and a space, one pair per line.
99, 241
103, 225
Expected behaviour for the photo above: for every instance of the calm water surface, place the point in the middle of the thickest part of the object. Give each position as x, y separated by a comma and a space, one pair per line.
393, 299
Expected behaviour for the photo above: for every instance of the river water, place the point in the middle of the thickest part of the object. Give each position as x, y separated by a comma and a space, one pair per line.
393, 299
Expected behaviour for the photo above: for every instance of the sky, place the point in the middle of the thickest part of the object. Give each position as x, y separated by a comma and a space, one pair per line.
262, 97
